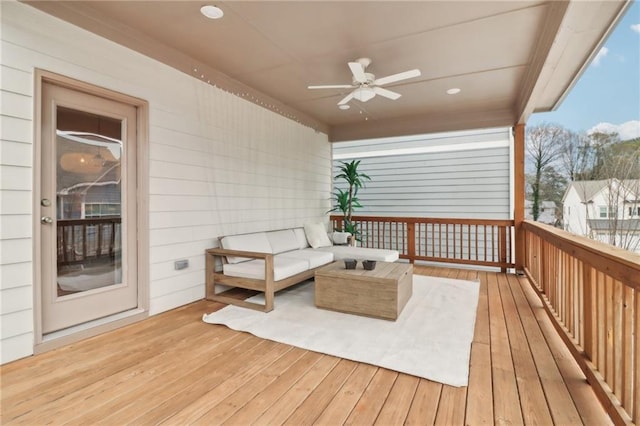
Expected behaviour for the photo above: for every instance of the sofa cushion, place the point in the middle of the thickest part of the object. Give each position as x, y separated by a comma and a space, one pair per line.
315, 258
256, 241
301, 238
361, 253
283, 267
317, 235
281, 241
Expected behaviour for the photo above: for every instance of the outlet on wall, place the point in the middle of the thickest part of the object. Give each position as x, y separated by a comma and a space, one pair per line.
181, 264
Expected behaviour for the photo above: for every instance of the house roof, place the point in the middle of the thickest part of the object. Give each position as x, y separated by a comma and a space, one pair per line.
627, 225
587, 189
509, 58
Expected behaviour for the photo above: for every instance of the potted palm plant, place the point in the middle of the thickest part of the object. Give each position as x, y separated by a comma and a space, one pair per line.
346, 201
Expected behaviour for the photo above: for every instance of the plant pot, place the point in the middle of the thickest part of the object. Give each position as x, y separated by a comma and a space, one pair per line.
369, 265
350, 263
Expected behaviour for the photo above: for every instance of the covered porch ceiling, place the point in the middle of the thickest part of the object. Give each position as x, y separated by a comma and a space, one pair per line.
509, 58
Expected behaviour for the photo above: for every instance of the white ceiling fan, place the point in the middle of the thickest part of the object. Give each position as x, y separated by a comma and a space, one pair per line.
366, 86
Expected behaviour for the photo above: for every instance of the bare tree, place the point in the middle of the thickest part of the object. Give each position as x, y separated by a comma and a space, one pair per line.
575, 155
544, 146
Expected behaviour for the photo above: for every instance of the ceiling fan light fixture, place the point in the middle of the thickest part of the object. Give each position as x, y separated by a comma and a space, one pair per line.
364, 94
212, 12
453, 91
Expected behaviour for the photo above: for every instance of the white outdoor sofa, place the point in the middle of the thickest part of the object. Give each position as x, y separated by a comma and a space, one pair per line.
270, 261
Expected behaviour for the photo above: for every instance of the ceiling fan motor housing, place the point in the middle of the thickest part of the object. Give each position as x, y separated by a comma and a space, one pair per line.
370, 79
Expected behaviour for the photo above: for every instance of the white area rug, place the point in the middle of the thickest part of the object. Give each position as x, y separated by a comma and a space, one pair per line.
431, 338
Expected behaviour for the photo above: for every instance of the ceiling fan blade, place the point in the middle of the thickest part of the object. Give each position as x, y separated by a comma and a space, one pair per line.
386, 93
397, 77
346, 99
358, 72
332, 86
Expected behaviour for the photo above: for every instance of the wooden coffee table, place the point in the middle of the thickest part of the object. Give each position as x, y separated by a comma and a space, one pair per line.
381, 293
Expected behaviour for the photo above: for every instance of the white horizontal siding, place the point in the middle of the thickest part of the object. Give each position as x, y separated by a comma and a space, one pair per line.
16, 129
16, 182
16, 81
218, 164
16, 202
15, 178
14, 226
16, 154
15, 275
450, 175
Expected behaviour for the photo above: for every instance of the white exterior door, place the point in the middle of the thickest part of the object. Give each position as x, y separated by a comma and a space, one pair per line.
87, 209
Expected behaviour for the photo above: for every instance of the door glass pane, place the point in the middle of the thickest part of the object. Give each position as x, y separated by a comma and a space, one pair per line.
88, 201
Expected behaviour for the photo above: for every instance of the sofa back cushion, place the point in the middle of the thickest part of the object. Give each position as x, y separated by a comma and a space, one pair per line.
282, 241
301, 238
257, 242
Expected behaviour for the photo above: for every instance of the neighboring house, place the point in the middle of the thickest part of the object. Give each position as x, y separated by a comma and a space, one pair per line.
547, 214
605, 210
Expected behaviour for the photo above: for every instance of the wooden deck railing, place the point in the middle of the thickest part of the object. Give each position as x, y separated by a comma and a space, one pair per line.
467, 241
591, 291
82, 240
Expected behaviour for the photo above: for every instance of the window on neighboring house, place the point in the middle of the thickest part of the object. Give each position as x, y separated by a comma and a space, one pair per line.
101, 210
603, 212
634, 211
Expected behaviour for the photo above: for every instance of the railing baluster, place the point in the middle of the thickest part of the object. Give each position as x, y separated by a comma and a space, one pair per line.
627, 351
446, 233
617, 334
476, 240
635, 405
485, 242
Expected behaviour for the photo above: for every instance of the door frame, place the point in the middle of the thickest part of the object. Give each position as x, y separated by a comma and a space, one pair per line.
44, 343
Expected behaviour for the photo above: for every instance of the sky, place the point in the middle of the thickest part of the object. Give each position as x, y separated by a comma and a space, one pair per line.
607, 95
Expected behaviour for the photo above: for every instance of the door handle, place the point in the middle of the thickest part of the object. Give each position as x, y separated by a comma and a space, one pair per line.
46, 219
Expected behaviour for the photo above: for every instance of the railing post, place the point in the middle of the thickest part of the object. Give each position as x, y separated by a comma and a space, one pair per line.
411, 241
503, 247
518, 193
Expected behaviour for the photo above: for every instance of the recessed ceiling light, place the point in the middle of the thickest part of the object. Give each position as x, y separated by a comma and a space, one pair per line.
345, 106
212, 12
453, 91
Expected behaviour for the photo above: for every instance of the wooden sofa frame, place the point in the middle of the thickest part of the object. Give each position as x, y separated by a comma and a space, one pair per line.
268, 286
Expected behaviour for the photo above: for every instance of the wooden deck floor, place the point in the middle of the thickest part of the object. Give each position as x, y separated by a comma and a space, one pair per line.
174, 369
